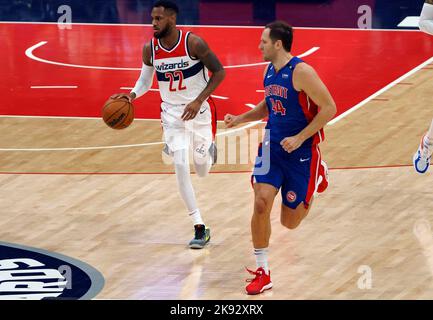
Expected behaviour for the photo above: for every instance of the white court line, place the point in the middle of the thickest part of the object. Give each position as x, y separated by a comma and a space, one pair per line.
85, 148
219, 97
53, 87
389, 86
74, 118
194, 26
111, 147
260, 91
66, 118
410, 21
157, 90
130, 88
302, 55
29, 54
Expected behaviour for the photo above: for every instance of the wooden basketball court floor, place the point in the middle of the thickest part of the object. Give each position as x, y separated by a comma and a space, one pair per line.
73, 186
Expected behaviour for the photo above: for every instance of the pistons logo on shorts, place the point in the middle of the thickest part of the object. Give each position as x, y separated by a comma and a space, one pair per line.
291, 196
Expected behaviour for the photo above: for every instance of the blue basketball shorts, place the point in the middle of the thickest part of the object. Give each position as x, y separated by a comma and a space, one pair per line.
295, 173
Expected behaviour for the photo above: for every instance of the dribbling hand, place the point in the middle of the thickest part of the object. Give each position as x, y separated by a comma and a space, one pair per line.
123, 96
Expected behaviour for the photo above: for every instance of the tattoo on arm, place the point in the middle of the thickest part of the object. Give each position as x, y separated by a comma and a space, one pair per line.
199, 49
202, 51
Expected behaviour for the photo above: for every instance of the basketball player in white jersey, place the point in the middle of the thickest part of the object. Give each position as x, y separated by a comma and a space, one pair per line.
421, 158
181, 61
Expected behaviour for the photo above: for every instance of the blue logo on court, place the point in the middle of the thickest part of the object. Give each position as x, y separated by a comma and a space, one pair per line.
35, 274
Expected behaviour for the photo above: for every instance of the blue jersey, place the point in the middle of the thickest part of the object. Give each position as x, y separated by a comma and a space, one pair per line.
290, 111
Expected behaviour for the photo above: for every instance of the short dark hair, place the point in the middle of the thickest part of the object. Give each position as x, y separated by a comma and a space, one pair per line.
280, 30
167, 5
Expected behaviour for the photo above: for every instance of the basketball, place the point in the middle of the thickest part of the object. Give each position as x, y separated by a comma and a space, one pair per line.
118, 113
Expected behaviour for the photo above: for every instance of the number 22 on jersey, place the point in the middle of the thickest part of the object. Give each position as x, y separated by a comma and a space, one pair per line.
171, 76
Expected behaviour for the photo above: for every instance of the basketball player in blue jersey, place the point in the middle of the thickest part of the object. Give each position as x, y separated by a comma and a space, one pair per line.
421, 158
298, 105
181, 61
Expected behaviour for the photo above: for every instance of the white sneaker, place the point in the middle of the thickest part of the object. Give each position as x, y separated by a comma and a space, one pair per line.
421, 158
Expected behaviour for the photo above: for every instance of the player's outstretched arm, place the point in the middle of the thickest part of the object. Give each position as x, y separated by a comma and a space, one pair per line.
306, 79
426, 18
199, 49
259, 112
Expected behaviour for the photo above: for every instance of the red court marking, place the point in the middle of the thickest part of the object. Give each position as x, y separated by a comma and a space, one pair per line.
374, 167
214, 172
354, 64
107, 173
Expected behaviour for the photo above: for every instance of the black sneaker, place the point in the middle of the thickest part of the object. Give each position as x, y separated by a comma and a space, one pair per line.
201, 237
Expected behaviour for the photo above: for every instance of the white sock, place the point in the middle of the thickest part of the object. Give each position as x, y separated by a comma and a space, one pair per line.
427, 146
196, 217
429, 133
262, 259
181, 166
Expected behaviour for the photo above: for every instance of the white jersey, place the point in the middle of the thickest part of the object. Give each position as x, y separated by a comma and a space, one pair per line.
181, 78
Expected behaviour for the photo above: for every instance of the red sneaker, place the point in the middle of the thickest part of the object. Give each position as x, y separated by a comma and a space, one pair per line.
323, 177
260, 283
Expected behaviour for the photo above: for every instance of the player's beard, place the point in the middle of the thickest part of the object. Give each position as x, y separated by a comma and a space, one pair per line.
270, 55
266, 58
162, 33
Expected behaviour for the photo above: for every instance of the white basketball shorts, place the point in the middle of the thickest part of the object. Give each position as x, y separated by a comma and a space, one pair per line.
197, 133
